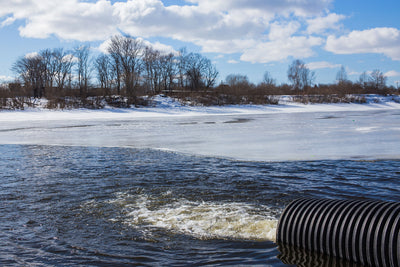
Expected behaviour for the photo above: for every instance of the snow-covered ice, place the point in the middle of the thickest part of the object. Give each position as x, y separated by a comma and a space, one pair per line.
250, 132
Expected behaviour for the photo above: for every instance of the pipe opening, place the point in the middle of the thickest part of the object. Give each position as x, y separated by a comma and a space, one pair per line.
359, 231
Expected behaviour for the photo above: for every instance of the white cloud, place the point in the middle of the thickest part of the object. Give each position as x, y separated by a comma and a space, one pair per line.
232, 61
226, 46
283, 31
157, 46
104, 46
4, 78
300, 8
296, 46
69, 19
257, 29
321, 24
378, 40
167, 49
95, 20
352, 73
31, 55
322, 65
7, 21
392, 73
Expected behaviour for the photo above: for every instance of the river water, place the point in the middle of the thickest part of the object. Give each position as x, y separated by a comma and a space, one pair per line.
68, 200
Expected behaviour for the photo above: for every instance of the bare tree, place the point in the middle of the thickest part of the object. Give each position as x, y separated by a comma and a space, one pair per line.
104, 71
48, 60
268, 80
194, 69
152, 69
299, 75
308, 77
63, 62
294, 73
199, 71
32, 71
45, 69
378, 79
181, 66
237, 80
115, 50
341, 76
83, 68
116, 66
127, 53
210, 75
364, 80
167, 70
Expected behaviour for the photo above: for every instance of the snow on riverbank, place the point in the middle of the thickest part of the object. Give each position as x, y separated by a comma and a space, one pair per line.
166, 106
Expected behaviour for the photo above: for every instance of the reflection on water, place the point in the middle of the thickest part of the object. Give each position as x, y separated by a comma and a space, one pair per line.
303, 258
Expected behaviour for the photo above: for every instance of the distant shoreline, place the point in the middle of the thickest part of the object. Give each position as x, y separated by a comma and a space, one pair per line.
193, 102
169, 107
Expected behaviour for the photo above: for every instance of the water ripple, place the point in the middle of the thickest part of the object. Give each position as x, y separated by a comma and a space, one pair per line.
104, 206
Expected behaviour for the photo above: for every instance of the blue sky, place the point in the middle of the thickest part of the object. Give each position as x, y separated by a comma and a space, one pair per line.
239, 36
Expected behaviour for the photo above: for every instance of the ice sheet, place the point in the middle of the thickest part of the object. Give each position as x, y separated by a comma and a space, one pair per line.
261, 133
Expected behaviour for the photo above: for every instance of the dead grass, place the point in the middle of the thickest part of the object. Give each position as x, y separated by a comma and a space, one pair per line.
14, 96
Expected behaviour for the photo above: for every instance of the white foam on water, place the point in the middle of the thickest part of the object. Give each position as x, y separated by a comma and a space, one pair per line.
203, 220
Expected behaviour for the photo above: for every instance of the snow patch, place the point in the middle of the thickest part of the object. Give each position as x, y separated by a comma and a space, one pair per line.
166, 107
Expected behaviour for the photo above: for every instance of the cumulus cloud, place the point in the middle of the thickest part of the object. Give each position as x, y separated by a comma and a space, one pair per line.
31, 55
296, 46
286, 7
256, 29
353, 73
226, 46
8, 21
378, 40
281, 31
319, 25
392, 73
232, 61
4, 78
322, 65
167, 49
71, 20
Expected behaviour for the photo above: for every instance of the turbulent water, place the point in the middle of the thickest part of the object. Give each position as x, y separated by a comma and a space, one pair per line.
119, 206
181, 190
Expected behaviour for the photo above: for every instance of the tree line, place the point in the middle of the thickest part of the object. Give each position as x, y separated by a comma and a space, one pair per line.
130, 68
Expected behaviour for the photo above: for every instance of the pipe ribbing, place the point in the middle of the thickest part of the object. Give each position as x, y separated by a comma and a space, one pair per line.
362, 231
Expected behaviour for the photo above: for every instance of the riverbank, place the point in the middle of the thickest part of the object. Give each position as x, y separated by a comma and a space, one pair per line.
162, 106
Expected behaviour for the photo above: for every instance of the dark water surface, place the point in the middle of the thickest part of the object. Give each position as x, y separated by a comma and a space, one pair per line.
94, 206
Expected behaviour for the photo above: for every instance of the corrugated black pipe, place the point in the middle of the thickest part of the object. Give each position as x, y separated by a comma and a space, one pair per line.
366, 232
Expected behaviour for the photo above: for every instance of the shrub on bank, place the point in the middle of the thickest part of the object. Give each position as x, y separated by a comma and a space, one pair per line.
17, 97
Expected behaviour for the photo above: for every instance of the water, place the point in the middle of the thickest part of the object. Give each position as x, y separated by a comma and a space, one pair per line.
182, 190
118, 206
